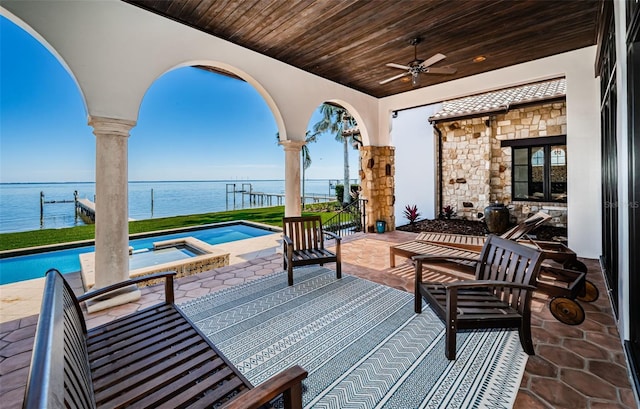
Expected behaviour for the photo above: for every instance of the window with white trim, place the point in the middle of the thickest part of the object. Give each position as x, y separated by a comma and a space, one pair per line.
539, 169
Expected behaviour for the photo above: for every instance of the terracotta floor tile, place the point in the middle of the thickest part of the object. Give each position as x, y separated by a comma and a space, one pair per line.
537, 365
20, 333
17, 347
604, 340
527, 401
627, 398
558, 394
585, 349
544, 336
589, 384
6, 327
13, 363
563, 330
610, 372
595, 404
13, 398
562, 357
17, 381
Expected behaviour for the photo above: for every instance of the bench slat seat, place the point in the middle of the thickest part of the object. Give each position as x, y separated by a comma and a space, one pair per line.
155, 357
416, 248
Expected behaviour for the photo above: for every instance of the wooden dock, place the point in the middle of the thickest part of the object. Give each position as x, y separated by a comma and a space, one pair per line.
246, 193
267, 199
86, 209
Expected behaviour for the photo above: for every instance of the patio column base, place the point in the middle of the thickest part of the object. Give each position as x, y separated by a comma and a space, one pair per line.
119, 297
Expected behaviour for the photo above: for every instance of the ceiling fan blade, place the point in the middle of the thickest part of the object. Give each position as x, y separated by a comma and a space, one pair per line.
440, 70
402, 67
395, 77
432, 60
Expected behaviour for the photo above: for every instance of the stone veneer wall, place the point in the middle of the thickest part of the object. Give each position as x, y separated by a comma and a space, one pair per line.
466, 151
377, 164
476, 170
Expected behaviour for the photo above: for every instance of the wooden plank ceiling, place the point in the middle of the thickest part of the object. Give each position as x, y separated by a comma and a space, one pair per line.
350, 41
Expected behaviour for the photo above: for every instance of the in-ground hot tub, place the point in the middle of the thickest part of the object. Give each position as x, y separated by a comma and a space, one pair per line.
186, 256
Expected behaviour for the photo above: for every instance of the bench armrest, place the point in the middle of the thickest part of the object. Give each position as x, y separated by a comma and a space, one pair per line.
287, 240
288, 382
486, 283
168, 286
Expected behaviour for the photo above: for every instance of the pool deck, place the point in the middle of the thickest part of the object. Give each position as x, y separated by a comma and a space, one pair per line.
574, 367
22, 299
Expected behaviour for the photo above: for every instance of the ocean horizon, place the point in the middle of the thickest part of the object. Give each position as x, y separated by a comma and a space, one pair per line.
20, 201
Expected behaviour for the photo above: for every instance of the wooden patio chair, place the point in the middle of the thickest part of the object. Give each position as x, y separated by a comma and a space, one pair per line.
499, 297
303, 241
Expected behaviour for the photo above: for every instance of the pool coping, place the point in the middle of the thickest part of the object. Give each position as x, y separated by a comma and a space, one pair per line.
24, 298
210, 258
81, 243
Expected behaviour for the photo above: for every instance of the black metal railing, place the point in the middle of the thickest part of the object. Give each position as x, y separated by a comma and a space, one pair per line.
350, 219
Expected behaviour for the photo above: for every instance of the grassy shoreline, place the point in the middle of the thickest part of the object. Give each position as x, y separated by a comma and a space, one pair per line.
267, 215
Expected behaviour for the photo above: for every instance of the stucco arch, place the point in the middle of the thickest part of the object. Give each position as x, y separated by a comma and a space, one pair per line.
39, 38
115, 67
362, 125
273, 107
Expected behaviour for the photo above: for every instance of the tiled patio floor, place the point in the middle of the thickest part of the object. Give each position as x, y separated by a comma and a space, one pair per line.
574, 367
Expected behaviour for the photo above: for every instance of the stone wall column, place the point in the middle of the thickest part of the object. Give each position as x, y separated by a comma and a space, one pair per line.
377, 164
112, 209
292, 206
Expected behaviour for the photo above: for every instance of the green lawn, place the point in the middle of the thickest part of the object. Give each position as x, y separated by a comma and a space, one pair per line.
267, 215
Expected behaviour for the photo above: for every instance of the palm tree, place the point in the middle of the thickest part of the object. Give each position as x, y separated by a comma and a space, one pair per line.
334, 120
306, 157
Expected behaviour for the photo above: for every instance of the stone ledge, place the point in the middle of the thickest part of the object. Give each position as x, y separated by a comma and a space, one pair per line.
212, 258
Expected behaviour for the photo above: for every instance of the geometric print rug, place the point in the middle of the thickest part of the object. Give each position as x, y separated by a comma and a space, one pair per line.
361, 343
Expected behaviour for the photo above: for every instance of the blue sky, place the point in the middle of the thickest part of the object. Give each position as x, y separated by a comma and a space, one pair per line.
193, 125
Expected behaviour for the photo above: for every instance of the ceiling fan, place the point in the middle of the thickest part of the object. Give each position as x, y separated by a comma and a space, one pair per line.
417, 66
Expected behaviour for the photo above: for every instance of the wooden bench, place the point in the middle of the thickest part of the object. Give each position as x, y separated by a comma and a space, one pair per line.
155, 357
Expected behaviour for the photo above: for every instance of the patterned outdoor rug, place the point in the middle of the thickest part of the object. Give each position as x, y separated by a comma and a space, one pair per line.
361, 343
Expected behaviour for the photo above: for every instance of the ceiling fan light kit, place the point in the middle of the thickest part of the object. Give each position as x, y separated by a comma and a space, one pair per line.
418, 66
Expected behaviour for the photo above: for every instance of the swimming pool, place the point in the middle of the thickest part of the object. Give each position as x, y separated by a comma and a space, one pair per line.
26, 267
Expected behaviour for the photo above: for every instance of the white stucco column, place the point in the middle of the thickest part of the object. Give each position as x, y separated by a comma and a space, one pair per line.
112, 210
292, 205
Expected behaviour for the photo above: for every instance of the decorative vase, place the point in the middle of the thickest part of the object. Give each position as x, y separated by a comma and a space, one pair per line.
496, 216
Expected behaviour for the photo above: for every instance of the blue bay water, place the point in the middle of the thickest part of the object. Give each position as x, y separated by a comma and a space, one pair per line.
20, 202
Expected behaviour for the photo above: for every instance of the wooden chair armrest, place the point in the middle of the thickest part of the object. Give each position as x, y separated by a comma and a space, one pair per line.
486, 283
287, 240
288, 380
333, 236
168, 286
426, 258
